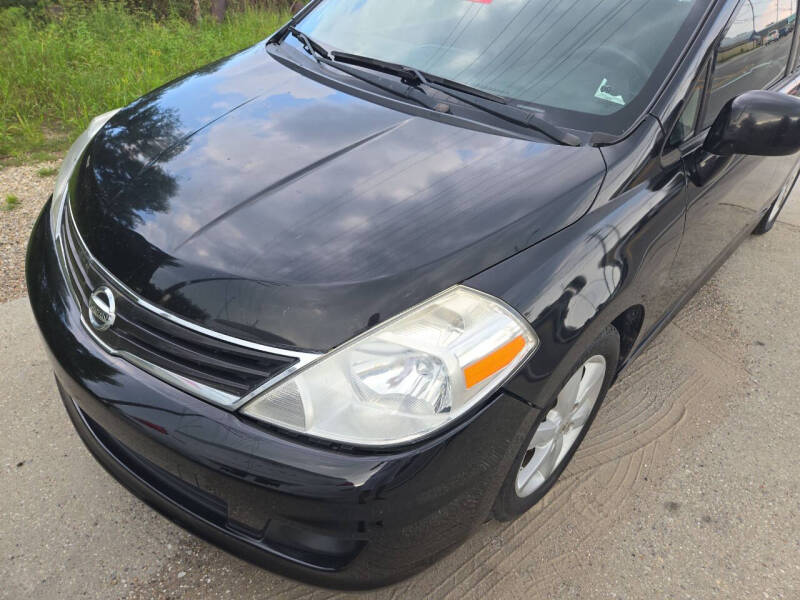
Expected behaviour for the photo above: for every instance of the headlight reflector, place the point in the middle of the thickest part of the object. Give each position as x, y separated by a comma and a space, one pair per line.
406, 378
68, 166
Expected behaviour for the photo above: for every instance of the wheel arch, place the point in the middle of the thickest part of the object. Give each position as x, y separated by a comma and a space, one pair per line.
629, 326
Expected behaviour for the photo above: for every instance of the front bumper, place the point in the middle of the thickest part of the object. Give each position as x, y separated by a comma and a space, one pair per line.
329, 516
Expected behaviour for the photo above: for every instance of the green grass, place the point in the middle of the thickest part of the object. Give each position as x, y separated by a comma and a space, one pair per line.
47, 172
56, 75
11, 202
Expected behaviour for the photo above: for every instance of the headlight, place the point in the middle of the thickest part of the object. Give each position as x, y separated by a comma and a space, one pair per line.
68, 166
406, 378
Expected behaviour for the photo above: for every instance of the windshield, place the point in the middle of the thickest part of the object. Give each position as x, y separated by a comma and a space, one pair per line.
586, 62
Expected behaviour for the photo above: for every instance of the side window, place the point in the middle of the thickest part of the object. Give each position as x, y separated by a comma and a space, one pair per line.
754, 52
685, 127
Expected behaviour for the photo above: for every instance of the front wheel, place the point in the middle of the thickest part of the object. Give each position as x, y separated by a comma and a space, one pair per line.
560, 430
769, 220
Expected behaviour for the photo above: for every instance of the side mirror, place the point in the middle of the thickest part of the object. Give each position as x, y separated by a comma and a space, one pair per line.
758, 123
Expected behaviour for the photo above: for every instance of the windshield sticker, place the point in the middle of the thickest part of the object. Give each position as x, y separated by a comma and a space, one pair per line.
606, 92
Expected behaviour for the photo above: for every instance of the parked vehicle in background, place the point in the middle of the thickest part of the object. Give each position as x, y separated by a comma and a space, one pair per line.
332, 302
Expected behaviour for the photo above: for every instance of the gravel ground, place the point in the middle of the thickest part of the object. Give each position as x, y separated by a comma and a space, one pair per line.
32, 190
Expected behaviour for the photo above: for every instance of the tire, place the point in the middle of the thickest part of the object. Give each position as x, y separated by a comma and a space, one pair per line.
526, 484
769, 220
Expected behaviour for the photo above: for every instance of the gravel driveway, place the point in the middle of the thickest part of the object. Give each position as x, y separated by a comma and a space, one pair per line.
32, 190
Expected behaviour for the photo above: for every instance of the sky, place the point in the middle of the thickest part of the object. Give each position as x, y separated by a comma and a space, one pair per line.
766, 13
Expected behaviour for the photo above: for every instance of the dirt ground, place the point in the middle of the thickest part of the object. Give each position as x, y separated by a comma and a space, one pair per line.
687, 486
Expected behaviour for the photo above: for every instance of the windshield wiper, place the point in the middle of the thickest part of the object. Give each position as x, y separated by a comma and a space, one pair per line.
411, 80
485, 101
411, 92
315, 49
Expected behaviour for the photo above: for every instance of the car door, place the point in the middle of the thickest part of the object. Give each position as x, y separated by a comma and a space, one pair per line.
726, 196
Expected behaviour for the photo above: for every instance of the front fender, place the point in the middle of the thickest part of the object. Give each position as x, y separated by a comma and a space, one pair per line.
577, 282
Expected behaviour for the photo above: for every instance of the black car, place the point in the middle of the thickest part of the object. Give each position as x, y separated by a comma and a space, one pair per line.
334, 301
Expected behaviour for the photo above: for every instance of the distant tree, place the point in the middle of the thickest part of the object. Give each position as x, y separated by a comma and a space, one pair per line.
218, 8
23, 3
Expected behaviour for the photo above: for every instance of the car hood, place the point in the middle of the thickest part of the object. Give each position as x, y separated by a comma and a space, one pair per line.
261, 203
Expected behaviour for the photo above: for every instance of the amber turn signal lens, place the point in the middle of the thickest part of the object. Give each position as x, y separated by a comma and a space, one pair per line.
494, 362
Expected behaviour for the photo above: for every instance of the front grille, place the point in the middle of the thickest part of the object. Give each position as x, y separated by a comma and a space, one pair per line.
211, 368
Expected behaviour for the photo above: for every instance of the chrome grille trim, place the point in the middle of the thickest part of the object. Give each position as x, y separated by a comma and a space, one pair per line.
195, 388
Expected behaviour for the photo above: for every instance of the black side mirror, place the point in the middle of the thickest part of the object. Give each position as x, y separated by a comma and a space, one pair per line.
757, 123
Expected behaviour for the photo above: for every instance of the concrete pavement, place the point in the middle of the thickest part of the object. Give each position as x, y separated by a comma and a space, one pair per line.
688, 485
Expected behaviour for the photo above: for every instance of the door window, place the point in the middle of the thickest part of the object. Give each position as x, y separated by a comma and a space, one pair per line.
754, 52
685, 127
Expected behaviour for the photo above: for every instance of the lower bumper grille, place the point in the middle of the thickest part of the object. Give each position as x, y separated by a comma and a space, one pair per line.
199, 502
281, 538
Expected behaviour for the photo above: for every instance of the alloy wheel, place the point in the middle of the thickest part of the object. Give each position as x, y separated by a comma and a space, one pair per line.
562, 427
